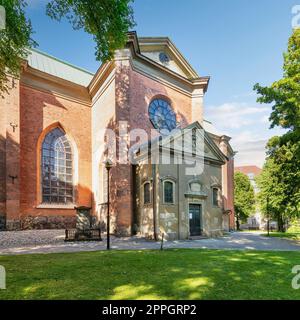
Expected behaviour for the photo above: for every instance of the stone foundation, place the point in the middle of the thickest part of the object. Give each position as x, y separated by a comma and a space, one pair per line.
12, 225
213, 234
53, 222
2, 222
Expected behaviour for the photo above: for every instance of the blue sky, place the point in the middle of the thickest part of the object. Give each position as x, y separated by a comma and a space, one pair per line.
236, 42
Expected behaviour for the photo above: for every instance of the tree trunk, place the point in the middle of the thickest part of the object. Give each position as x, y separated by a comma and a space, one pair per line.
237, 223
280, 224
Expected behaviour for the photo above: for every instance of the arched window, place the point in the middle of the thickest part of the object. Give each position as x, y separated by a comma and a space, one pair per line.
169, 190
215, 196
57, 168
147, 194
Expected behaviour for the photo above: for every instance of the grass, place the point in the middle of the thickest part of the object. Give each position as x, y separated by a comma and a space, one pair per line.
288, 235
170, 274
292, 233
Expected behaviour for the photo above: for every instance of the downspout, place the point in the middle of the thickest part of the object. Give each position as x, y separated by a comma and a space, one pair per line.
178, 194
154, 201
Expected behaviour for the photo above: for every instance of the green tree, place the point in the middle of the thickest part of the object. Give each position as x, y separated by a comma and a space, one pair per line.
278, 183
284, 94
14, 41
244, 199
284, 151
107, 20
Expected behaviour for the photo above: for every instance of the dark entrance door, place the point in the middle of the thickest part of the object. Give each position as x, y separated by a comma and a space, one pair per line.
195, 220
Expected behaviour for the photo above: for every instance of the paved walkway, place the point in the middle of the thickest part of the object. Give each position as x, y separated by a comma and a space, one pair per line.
50, 241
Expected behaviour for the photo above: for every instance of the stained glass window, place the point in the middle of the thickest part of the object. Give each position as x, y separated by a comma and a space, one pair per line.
57, 168
147, 198
168, 192
162, 115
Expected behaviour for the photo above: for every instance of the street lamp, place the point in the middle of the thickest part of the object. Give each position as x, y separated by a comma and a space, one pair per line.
108, 166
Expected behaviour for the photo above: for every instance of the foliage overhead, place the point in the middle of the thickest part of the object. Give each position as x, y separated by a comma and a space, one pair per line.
107, 20
244, 199
14, 41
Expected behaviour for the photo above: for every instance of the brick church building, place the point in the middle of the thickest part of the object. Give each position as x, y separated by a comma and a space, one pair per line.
54, 126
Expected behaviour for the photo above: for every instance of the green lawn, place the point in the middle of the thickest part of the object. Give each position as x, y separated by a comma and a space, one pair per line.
288, 235
171, 274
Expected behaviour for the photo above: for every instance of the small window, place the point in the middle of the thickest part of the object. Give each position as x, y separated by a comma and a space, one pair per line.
147, 196
168, 192
215, 196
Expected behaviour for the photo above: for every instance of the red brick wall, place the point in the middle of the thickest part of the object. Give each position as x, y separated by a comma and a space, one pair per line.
230, 188
134, 92
10, 155
2, 162
143, 90
39, 111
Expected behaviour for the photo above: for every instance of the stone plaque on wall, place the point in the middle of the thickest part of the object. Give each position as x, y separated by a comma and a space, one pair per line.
84, 219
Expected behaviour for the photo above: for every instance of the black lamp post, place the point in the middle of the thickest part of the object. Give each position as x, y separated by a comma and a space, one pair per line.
108, 166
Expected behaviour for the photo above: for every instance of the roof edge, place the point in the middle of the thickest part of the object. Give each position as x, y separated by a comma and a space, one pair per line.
61, 61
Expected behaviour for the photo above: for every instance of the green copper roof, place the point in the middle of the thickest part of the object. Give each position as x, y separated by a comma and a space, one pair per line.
58, 68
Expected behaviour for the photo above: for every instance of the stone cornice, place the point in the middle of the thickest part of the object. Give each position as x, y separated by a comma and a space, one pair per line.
101, 75
193, 83
166, 76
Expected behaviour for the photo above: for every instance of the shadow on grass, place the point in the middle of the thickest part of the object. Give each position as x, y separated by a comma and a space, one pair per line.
171, 274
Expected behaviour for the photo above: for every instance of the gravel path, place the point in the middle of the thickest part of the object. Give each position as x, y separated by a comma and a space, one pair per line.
10, 239
50, 241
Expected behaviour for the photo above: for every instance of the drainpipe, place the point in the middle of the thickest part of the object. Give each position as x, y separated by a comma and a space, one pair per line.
154, 167
178, 194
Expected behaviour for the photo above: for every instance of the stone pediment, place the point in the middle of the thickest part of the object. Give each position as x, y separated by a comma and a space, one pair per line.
163, 51
173, 143
205, 146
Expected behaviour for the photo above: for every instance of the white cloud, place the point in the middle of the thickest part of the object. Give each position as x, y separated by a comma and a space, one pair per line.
265, 119
252, 154
250, 149
248, 125
235, 115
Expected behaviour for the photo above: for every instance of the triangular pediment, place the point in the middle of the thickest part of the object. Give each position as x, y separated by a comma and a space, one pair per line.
204, 148
163, 51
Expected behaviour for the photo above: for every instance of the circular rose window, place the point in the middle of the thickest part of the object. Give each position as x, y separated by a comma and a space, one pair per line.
162, 115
